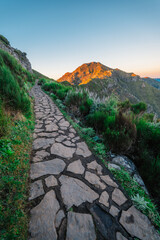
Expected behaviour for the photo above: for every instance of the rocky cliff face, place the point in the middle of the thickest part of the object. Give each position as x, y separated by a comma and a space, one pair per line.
20, 56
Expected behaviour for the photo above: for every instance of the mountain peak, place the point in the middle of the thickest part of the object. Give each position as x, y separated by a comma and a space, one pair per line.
95, 70
86, 72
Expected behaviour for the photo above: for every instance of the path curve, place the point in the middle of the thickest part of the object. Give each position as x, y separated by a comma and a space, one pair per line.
72, 195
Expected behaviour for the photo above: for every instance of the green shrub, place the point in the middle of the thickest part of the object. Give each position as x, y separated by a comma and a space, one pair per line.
124, 106
42, 81
139, 107
78, 102
12, 89
3, 120
88, 131
148, 117
97, 120
4, 40
111, 105
62, 93
121, 134
148, 152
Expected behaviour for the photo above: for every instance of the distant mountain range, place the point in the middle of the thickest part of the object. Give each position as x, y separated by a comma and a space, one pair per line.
158, 79
101, 81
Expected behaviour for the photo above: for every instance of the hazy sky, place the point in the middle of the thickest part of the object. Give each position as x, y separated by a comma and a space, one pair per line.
60, 35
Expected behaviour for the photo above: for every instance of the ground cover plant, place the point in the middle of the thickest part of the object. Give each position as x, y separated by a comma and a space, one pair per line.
15, 150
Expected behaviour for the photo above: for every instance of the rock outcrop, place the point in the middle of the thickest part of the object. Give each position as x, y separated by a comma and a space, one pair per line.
20, 56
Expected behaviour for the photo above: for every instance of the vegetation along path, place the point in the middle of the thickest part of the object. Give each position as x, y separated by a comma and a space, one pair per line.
73, 195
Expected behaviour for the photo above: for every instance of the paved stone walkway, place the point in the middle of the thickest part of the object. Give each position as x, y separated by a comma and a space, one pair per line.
72, 195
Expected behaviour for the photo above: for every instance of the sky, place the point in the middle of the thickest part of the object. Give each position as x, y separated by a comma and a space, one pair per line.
60, 35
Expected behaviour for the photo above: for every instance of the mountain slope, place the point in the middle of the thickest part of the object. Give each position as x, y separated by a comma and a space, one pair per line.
102, 81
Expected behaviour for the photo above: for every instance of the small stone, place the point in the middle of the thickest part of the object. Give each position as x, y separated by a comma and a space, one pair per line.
118, 197
60, 215
95, 166
138, 225
58, 117
69, 144
39, 169
60, 138
63, 128
95, 180
43, 216
114, 166
71, 135
48, 122
42, 153
139, 180
80, 226
51, 127
51, 181
64, 123
75, 192
77, 138
34, 135
83, 150
109, 181
124, 162
114, 211
36, 189
104, 198
71, 129
76, 167
119, 236
62, 151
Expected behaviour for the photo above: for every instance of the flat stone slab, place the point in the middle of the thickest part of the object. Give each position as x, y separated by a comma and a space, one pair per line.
69, 144
109, 181
42, 143
51, 181
63, 123
80, 226
51, 127
36, 189
54, 166
76, 167
95, 166
62, 151
75, 192
138, 225
43, 216
95, 180
104, 199
114, 211
60, 138
118, 197
40, 155
82, 149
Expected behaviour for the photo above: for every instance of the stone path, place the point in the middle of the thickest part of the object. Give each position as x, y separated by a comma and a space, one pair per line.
72, 195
